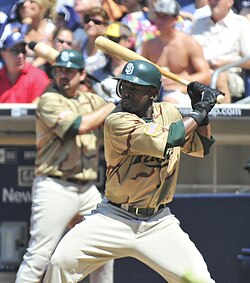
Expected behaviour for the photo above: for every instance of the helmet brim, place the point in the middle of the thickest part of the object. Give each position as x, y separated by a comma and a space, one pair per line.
133, 79
68, 65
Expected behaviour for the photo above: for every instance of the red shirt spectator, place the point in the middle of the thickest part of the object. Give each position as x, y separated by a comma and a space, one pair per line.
27, 88
20, 81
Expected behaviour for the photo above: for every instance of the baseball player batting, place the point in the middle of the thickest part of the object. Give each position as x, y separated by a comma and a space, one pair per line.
143, 141
67, 136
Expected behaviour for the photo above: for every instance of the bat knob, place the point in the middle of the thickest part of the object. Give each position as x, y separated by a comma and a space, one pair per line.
32, 45
220, 98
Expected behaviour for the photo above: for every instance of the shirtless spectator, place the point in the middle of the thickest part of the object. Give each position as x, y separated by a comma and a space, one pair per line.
224, 37
177, 51
20, 81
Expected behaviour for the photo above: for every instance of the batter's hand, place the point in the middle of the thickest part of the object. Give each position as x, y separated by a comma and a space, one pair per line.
194, 90
207, 100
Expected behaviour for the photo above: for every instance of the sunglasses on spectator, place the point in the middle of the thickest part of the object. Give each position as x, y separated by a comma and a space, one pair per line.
87, 19
64, 41
18, 51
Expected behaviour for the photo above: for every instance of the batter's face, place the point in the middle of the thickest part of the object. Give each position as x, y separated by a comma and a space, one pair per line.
68, 80
137, 99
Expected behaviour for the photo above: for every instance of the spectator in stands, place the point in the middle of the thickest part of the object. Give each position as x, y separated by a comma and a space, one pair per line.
122, 34
81, 7
41, 27
66, 16
62, 40
95, 22
18, 20
114, 10
242, 7
20, 81
177, 51
224, 37
139, 21
3, 20
186, 19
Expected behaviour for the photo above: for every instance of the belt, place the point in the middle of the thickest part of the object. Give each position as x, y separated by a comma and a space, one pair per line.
138, 211
72, 180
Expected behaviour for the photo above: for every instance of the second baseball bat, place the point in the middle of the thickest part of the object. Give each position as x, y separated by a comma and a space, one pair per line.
117, 50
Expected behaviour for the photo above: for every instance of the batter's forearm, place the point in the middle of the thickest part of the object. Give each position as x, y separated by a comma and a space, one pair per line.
190, 126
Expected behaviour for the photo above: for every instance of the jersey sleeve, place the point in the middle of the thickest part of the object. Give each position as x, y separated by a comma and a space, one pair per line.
56, 112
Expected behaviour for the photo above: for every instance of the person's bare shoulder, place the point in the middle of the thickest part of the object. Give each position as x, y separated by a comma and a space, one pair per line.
189, 42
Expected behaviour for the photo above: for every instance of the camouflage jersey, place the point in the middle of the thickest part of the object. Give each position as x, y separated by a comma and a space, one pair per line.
59, 153
140, 170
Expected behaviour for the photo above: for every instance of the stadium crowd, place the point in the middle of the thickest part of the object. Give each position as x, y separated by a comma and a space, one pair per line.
188, 38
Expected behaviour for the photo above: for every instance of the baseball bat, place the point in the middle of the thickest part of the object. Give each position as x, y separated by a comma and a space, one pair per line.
114, 49
44, 50
49, 54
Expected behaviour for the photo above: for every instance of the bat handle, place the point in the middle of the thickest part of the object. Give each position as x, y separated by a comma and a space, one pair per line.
220, 98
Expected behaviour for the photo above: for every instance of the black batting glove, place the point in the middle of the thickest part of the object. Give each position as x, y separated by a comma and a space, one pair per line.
194, 90
205, 105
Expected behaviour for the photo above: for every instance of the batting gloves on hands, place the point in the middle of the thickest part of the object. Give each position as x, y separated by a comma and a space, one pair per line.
203, 99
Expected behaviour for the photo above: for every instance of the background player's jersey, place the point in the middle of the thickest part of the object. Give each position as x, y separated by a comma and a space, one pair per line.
57, 152
140, 171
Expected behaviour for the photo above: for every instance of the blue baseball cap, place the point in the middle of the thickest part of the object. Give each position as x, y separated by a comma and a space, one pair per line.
12, 40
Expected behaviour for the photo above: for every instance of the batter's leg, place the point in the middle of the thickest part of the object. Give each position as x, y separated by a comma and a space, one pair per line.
168, 250
91, 243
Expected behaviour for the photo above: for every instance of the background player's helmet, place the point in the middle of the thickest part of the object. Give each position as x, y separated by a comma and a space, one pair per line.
142, 73
71, 59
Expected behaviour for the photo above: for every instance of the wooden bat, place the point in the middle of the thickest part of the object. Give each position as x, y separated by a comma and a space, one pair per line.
49, 54
44, 50
119, 51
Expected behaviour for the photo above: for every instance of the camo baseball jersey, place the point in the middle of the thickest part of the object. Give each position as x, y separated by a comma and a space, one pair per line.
57, 152
140, 171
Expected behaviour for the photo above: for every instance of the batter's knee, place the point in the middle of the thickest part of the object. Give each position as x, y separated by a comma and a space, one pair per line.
62, 262
190, 277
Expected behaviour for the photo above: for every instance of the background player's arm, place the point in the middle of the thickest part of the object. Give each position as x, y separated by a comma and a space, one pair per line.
93, 120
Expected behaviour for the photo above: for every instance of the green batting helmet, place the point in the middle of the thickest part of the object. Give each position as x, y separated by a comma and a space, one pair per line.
141, 72
69, 58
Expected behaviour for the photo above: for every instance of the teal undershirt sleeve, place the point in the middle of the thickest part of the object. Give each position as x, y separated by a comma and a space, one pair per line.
176, 136
74, 128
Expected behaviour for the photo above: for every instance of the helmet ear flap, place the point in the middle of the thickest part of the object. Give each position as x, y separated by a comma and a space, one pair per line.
53, 72
118, 88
